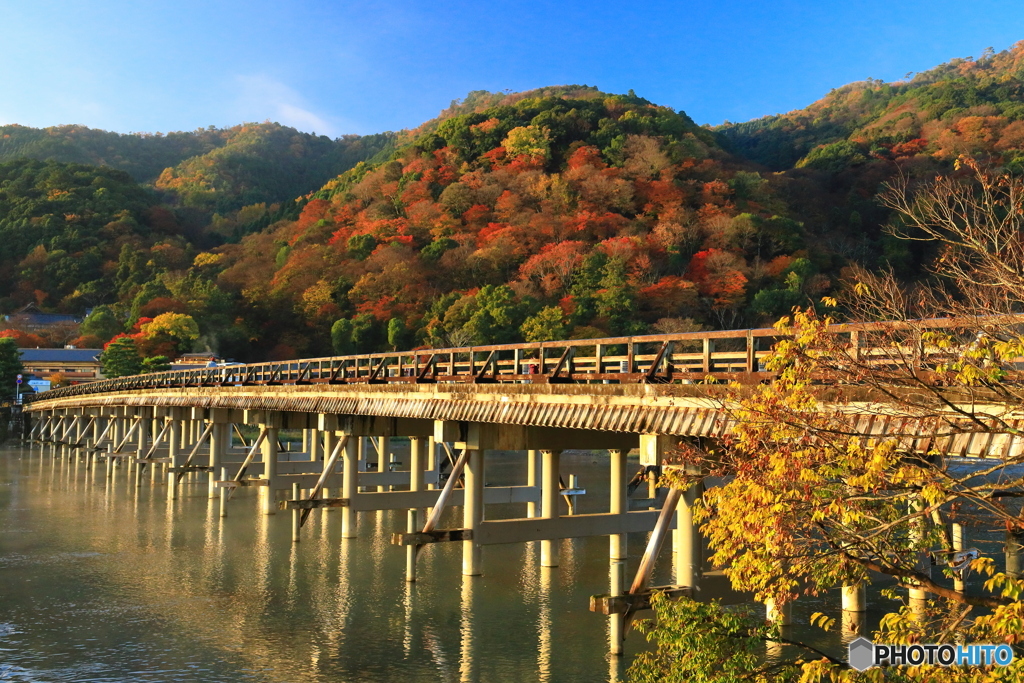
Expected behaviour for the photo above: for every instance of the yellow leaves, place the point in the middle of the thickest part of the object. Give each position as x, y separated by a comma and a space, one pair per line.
316, 297
205, 258
822, 621
861, 289
176, 325
933, 493
983, 565
1005, 585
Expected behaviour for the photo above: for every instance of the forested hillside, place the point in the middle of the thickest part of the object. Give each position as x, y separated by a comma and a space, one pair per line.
560, 212
966, 106
566, 212
212, 168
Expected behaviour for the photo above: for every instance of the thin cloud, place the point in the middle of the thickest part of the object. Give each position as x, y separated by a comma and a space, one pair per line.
262, 97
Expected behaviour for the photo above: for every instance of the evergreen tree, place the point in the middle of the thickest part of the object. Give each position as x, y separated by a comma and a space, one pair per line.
10, 365
120, 358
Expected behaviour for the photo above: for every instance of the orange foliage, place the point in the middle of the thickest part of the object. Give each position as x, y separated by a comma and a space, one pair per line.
671, 296
26, 340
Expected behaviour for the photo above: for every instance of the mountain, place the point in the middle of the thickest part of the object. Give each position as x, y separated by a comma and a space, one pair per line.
559, 212
219, 169
552, 213
966, 106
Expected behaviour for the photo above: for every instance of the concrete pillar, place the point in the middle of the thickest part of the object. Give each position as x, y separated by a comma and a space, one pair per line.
349, 482
783, 616
142, 436
531, 479
688, 547
855, 598
919, 597
314, 442
617, 622
550, 489
142, 442
959, 543
383, 458
327, 442
418, 446
1015, 553
473, 512
218, 444
618, 550
174, 453
431, 459
270, 469
618, 503
855, 606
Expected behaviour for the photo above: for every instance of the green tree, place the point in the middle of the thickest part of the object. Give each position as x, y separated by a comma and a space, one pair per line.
616, 300
341, 337
120, 358
496, 316
547, 325
397, 334
10, 365
156, 364
528, 140
101, 322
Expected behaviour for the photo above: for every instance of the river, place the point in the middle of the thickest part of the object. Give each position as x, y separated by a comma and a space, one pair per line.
109, 582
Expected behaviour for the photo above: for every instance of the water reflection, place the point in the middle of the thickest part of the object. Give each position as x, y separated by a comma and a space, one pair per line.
467, 655
136, 585
544, 624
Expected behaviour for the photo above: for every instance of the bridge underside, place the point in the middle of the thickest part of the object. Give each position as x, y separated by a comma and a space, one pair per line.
633, 408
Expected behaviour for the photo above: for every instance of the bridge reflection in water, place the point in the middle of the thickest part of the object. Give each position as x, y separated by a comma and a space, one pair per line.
150, 588
225, 427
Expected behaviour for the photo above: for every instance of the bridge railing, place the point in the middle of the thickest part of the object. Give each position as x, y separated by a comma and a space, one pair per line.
659, 358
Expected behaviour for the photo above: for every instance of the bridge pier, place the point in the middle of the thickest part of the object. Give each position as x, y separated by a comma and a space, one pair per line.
618, 550
269, 448
550, 488
1015, 553
418, 446
174, 453
473, 512
349, 486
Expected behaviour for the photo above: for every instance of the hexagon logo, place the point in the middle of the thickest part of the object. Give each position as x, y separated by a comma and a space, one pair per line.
862, 654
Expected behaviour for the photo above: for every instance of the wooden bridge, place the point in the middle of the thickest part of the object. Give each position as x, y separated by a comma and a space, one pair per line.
454, 405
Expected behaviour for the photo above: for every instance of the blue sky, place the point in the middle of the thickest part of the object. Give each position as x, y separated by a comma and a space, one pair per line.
341, 67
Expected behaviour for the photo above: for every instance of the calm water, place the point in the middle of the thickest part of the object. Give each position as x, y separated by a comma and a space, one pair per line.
116, 583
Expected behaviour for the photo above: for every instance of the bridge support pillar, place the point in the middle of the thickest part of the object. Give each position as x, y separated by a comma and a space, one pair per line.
532, 459
269, 448
219, 436
314, 441
174, 453
959, 543
142, 443
1015, 553
383, 458
418, 446
550, 488
618, 550
473, 513
919, 597
432, 460
783, 615
349, 485
855, 606
688, 547
855, 598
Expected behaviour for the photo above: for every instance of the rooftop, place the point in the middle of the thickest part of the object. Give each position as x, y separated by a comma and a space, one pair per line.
60, 355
